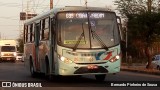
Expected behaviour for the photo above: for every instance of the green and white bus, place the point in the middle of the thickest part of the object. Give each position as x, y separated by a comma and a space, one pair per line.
73, 41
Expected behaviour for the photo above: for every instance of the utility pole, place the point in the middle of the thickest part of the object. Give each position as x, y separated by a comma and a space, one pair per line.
51, 4
86, 3
159, 6
27, 9
149, 5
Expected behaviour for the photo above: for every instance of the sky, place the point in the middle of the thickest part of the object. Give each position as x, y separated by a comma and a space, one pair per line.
10, 24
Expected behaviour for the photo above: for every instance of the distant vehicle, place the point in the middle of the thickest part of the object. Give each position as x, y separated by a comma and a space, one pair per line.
156, 62
22, 58
19, 56
8, 50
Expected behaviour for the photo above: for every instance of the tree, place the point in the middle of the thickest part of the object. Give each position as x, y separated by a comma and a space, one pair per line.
143, 22
21, 45
131, 7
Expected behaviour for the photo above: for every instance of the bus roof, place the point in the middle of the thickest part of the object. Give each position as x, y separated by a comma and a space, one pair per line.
63, 9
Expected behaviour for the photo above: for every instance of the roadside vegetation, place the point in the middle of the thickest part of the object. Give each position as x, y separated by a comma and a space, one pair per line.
142, 22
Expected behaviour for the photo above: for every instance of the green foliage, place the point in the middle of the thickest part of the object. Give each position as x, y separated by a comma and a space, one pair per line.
143, 23
132, 7
21, 45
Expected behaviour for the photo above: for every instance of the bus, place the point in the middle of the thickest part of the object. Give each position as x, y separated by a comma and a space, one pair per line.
71, 41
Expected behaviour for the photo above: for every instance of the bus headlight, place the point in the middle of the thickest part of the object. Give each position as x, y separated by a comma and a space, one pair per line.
15, 54
65, 60
2, 54
62, 58
117, 57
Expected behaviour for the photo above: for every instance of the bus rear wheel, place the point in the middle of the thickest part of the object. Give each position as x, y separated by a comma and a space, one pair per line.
100, 77
158, 67
47, 70
33, 73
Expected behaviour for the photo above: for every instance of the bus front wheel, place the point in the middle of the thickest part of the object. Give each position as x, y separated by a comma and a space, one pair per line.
158, 67
47, 70
100, 77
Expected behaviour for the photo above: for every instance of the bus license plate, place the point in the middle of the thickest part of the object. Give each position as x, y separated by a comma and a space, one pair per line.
92, 67
8, 58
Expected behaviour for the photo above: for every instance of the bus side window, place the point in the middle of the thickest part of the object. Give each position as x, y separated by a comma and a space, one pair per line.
25, 33
37, 33
31, 32
120, 28
42, 29
45, 29
28, 33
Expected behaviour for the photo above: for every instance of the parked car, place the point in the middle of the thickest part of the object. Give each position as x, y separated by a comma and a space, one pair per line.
156, 62
19, 56
22, 58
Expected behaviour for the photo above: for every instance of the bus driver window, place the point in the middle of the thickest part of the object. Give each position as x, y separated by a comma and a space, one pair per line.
69, 31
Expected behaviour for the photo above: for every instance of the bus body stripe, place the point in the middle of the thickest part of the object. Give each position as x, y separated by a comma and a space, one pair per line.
98, 55
108, 56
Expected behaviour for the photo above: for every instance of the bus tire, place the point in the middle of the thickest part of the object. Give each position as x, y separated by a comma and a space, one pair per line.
0, 60
47, 70
14, 61
100, 77
158, 67
33, 73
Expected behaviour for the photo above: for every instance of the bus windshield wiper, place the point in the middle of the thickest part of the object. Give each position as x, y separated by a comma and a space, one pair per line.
79, 39
95, 35
99, 40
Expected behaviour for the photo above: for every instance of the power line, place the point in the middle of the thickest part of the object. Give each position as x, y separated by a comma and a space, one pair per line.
54, 6
44, 9
17, 5
93, 1
42, 2
8, 18
57, 3
37, 5
10, 25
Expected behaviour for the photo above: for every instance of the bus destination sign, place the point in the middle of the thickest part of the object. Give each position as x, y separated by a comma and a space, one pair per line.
84, 15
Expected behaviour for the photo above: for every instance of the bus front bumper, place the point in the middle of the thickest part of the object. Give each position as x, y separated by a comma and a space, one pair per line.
76, 69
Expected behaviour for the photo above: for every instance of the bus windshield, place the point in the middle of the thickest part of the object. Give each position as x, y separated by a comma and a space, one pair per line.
96, 27
8, 48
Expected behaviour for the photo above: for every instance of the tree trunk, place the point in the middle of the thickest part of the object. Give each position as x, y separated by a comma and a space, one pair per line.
149, 5
149, 57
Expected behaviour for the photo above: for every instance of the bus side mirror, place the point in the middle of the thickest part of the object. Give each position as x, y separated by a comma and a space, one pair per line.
120, 28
